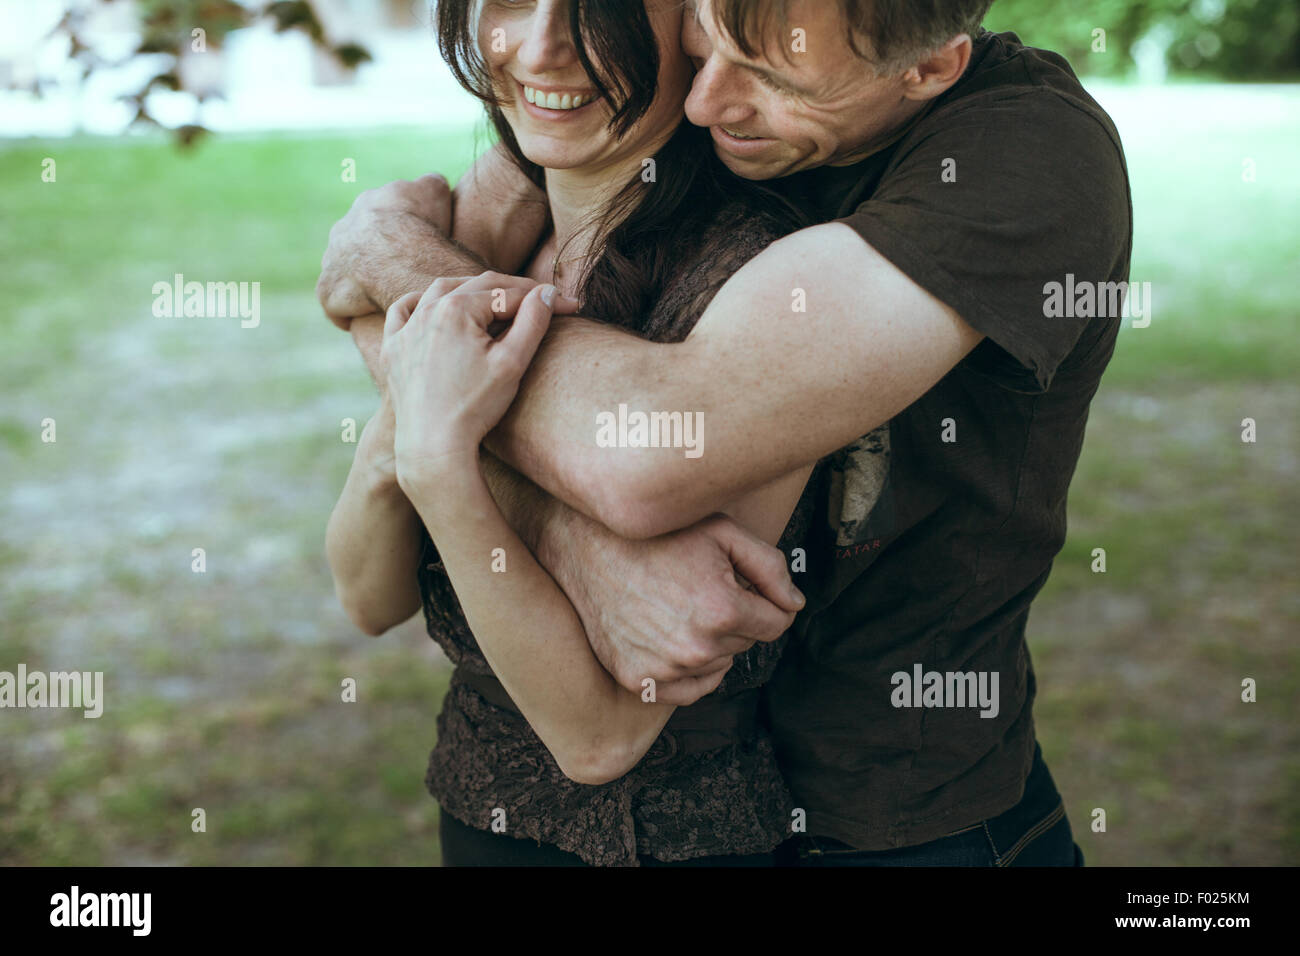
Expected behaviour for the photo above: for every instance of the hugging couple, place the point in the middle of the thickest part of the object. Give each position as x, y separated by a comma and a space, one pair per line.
824, 227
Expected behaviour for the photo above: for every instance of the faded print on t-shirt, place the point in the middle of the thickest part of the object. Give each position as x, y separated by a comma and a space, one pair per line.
858, 476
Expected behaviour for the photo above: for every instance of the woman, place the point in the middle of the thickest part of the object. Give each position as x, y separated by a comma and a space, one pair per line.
535, 739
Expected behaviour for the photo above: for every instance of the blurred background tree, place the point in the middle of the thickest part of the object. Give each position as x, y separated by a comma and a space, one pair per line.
1143, 39
1208, 39
182, 29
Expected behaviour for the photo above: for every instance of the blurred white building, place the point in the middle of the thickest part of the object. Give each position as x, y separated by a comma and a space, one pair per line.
266, 80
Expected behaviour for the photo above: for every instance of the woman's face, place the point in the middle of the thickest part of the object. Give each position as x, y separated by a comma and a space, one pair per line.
547, 97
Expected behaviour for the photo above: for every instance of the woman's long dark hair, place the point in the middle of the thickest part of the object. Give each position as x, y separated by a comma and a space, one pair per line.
642, 235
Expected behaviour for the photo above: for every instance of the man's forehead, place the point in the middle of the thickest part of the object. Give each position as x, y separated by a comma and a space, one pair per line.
821, 19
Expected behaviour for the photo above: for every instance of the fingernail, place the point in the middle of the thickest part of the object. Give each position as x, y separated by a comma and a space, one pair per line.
548, 295
797, 596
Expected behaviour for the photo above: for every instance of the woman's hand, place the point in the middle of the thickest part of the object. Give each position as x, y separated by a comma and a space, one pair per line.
449, 380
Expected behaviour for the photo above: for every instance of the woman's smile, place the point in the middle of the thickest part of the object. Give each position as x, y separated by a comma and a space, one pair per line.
557, 99
554, 103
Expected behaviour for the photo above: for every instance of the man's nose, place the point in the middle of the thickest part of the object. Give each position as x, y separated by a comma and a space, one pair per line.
548, 46
716, 98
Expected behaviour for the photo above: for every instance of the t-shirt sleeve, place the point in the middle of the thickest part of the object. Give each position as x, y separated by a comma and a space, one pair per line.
989, 202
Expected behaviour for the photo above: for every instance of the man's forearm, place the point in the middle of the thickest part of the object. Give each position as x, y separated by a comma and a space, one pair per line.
368, 336
582, 369
542, 522
771, 392
440, 257
446, 259
400, 237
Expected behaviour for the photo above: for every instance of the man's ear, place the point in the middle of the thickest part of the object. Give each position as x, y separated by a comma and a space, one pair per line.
939, 70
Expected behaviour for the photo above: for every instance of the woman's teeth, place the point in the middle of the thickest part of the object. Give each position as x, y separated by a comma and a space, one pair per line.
554, 101
736, 135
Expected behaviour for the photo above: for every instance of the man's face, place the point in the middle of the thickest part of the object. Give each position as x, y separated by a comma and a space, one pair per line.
780, 114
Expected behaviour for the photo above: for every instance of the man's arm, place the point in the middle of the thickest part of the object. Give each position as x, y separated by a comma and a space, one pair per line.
402, 237
673, 608
777, 389
384, 248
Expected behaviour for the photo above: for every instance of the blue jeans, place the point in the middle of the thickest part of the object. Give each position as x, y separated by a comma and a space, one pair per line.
1035, 832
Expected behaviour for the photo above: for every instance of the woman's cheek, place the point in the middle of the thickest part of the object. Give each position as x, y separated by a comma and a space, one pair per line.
494, 43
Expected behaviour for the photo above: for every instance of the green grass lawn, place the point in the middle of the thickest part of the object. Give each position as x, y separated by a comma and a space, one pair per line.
223, 688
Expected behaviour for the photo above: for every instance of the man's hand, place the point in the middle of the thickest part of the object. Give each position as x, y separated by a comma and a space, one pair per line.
386, 246
672, 608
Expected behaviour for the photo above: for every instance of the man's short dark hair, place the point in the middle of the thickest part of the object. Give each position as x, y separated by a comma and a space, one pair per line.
897, 33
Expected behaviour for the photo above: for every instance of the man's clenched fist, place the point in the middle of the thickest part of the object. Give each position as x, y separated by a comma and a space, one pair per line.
382, 248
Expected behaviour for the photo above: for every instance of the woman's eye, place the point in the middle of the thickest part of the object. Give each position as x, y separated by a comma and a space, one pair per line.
510, 8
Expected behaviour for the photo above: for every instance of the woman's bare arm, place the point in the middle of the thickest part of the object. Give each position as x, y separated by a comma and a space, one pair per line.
531, 635
373, 539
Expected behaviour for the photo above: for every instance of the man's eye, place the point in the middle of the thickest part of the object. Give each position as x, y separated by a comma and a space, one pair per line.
771, 84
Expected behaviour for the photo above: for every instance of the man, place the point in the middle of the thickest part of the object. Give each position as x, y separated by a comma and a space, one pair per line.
914, 337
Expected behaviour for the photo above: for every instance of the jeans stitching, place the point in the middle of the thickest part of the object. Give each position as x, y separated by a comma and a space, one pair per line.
816, 849
1034, 832
813, 848
997, 860
1037, 830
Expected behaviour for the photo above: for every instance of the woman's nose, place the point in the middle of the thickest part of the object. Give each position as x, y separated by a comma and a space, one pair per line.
548, 45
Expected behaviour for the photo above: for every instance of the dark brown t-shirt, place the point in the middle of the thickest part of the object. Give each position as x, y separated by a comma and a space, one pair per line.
940, 526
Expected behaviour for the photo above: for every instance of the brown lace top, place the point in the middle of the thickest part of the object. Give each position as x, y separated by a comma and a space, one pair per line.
710, 783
